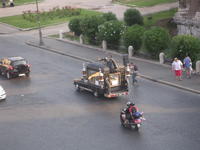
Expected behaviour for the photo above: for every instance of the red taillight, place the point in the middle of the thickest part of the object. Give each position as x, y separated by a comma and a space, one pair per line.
113, 95
10, 68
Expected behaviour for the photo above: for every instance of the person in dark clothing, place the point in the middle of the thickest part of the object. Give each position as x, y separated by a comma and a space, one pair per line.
3, 3
130, 111
11, 3
134, 72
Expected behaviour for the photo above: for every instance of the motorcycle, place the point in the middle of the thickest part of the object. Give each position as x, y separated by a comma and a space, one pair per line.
134, 123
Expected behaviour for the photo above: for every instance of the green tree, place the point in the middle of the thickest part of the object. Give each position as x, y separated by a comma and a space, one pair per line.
109, 16
156, 40
133, 16
185, 44
134, 36
89, 26
74, 26
111, 31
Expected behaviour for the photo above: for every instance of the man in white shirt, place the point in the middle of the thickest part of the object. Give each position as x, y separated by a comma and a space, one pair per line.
177, 66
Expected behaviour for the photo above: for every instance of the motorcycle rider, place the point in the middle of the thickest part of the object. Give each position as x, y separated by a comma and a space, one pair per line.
132, 111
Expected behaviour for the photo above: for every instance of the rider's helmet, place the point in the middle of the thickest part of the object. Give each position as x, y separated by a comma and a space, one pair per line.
130, 104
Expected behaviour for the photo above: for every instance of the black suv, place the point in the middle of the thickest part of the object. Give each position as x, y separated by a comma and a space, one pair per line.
13, 67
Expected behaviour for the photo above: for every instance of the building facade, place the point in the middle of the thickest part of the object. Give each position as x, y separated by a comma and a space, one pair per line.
188, 17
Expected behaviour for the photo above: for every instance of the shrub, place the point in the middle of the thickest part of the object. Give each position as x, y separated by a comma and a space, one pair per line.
109, 16
89, 26
56, 12
74, 26
133, 16
156, 40
183, 45
134, 36
111, 32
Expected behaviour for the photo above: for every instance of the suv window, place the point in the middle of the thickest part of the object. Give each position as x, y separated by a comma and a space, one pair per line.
19, 62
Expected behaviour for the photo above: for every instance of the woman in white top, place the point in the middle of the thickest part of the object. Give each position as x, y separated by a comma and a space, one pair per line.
177, 66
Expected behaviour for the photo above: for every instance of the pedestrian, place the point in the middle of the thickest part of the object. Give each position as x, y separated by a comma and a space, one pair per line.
134, 72
177, 67
3, 3
11, 3
187, 63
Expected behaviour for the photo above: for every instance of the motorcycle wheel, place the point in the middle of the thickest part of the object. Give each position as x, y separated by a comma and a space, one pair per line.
122, 121
136, 128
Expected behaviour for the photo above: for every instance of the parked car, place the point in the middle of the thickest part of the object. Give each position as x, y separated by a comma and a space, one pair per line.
13, 67
2, 93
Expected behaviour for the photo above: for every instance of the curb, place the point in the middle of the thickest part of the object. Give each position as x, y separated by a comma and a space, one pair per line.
87, 60
109, 52
57, 51
170, 84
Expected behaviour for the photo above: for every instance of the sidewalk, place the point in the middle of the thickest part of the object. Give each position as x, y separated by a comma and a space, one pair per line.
5, 29
150, 70
99, 5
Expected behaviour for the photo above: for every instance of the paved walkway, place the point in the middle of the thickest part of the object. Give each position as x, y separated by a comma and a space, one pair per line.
99, 5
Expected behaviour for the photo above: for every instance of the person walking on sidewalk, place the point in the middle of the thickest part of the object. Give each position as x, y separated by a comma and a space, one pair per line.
187, 63
11, 3
134, 72
177, 67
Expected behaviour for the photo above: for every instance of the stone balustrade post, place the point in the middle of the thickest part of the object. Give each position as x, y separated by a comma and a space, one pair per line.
198, 66
162, 58
130, 51
81, 39
61, 34
104, 45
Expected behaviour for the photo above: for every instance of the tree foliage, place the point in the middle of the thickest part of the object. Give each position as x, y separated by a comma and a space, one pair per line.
183, 45
109, 16
133, 16
156, 40
74, 26
111, 31
133, 36
89, 26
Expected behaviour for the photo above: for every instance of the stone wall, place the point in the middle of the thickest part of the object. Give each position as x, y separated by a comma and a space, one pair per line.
188, 17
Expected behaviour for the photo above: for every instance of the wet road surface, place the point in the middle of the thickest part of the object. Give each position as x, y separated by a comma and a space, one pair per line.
45, 112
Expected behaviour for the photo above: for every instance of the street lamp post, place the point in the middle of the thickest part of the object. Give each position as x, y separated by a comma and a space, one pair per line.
39, 26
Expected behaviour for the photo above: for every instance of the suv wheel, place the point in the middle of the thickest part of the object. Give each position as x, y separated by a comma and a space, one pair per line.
8, 76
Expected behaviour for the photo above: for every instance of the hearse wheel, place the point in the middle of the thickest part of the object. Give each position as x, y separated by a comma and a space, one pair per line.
8, 76
96, 94
77, 87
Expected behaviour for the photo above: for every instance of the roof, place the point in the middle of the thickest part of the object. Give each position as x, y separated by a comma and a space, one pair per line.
15, 58
96, 66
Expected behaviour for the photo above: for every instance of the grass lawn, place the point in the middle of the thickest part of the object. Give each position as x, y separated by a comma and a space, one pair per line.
20, 22
152, 19
21, 2
142, 3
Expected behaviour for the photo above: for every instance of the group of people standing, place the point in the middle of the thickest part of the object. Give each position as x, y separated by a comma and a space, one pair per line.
178, 66
11, 3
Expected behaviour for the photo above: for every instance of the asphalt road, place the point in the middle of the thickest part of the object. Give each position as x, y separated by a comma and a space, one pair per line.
45, 112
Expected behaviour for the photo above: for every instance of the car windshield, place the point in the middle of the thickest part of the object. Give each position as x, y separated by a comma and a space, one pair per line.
19, 62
